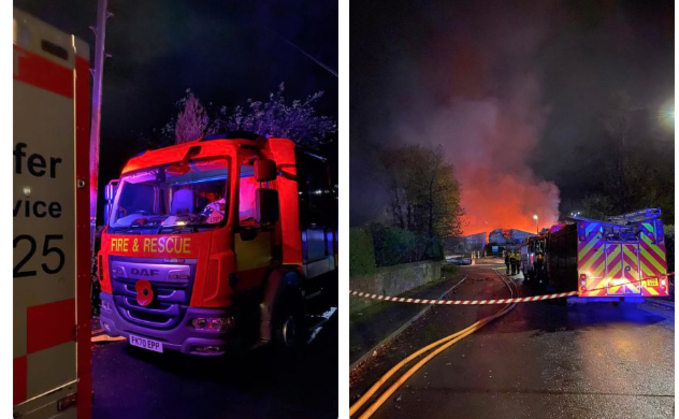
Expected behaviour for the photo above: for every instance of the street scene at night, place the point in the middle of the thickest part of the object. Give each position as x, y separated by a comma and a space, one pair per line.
541, 360
175, 209
512, 209
500, 177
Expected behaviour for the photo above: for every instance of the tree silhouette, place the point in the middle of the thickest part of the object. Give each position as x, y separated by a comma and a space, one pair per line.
275, 117
192, 121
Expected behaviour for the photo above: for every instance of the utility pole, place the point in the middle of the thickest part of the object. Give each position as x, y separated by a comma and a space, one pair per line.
95, 125
537, 228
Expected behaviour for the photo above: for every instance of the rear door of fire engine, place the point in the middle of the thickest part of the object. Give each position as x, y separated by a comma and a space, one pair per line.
622, 268
51, 281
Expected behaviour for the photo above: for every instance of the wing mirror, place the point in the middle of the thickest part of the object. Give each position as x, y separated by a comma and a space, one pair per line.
265, 170
110, 195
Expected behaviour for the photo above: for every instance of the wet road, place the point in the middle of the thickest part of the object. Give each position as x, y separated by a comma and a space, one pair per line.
542, 360
132, 383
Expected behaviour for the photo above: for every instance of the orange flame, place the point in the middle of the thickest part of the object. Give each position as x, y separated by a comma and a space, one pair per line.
508, 201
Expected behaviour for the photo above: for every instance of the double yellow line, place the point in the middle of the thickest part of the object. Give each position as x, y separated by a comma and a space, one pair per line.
442, 345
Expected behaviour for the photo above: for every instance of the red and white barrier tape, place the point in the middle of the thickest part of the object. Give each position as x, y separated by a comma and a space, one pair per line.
469, 302
462, 302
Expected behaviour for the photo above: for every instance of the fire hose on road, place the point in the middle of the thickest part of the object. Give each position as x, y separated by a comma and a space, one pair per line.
435, 348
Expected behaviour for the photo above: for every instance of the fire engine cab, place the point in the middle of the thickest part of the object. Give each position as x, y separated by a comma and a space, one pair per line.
229, 239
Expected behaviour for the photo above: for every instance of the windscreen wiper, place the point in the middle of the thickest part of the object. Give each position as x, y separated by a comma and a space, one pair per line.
126, 229
178, 229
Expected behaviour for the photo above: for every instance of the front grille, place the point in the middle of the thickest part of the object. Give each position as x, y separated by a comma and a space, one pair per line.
172, 283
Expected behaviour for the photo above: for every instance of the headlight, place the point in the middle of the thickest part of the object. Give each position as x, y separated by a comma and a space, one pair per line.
216, 324
199, 323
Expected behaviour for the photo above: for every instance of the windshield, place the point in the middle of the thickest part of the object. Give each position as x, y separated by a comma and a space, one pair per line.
172, 198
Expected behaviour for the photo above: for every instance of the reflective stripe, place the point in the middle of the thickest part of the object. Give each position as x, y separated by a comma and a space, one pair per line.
593, 262
613, 261
19, 373
631, 267
583, 252
50, 325
653, 247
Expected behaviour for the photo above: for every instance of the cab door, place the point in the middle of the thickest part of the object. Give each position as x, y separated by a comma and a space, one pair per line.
254, 255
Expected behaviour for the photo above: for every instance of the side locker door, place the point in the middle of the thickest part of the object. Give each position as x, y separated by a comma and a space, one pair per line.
652, 258
51, 258
591, 260
630, 268
315, 211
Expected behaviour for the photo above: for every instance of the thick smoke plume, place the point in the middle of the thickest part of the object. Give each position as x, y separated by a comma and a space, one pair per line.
472, 86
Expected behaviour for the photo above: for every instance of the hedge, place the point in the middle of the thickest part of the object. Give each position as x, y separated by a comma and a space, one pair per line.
395, 245
361, 253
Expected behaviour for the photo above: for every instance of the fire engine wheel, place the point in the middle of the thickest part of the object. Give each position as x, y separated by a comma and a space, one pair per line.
289, 332
289, 325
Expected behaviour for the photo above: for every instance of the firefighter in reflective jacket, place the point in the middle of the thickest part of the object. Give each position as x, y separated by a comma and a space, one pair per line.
514, 260
507, 261
539, 263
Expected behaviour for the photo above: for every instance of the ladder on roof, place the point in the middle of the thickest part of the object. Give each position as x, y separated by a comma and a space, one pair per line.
636, 216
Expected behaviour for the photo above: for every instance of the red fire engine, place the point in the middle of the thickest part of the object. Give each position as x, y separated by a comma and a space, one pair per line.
624, 256
225, 240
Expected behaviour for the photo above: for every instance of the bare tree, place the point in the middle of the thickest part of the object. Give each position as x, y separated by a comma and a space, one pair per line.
275, 117
617, 122
637, 171
192, 121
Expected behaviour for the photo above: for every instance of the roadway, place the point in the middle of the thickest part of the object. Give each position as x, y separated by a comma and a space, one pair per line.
132, 383
542, 360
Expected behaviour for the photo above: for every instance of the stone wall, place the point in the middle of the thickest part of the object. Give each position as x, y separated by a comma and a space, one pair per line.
393, 280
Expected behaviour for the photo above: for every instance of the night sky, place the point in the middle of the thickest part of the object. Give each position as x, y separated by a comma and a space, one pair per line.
226, 52
511, 89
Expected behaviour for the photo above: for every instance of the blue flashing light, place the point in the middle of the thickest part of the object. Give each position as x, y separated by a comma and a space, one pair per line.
203, 180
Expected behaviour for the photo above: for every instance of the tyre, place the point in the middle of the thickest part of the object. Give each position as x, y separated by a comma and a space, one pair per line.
289, 321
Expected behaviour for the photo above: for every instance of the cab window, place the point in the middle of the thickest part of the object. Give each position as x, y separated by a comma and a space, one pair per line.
247, 196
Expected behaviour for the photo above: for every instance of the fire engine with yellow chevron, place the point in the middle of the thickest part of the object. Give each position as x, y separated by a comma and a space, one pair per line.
624, 256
